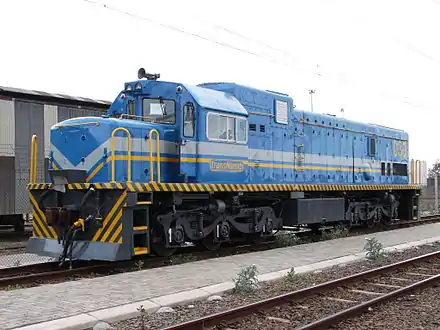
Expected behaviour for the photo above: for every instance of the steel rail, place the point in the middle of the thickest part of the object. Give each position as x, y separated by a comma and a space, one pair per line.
11, 249
50, 270
246, 310
325, 322
25, 274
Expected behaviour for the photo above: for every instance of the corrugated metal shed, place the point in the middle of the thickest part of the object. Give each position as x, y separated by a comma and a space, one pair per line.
29, 120
22, 114
7, 128
32, 94
50, 119
7, 186
65, 112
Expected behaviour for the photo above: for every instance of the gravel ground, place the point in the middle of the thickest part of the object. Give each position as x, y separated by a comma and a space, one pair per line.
5, 245
268, 289
305, 311
419, 310
10, 250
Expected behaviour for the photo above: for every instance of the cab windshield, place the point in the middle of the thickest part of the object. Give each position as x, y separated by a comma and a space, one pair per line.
159, 111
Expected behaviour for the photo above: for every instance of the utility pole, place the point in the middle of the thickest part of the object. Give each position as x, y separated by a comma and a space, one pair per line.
311, 92
436, 193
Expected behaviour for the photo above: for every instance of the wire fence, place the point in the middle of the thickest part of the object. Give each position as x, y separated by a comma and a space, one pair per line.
427, 205
13, 251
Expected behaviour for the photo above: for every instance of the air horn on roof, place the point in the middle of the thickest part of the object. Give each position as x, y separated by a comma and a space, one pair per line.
149, 76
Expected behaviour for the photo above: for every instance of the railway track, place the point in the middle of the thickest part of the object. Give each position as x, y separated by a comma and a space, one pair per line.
8, 234
338, 300
41, 273
423, 220
11, 247
50, 272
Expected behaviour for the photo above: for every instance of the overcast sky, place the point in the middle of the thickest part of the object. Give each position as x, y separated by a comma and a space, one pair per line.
378, 59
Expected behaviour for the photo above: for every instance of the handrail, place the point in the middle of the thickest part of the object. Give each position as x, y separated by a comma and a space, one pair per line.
34, 158
77, 124
122, 115
114, 155
150, 138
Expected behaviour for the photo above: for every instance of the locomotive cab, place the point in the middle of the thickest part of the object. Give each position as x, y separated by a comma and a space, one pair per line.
192, 122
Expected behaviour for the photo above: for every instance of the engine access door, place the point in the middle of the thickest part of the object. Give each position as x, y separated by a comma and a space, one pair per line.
188, 144
300, 143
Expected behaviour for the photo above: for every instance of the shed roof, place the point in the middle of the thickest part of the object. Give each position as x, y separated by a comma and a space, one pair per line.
39, 95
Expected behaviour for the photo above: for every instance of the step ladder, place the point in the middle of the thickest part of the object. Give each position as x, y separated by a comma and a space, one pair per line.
141, 228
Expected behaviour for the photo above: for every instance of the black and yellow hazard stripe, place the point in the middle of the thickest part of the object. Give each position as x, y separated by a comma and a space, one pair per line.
208, 187
111, 230
105, 185
38, 186
39, 222
204, 187
78, 186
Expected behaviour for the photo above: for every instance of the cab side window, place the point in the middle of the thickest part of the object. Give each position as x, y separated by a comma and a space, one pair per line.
188, 120
131, 110
226, 128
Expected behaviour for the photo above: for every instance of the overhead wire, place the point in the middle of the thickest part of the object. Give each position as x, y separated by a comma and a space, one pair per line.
220, 43
241, 35
402, 43
179, 30
247, 51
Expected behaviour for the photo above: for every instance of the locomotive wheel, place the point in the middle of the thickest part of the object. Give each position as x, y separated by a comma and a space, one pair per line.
370, 223
343, 225
158, 243
208, 243
387, 223
315, 229
258, 238
384, 220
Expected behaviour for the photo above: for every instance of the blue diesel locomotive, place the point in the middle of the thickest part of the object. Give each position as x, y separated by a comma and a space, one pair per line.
172, 163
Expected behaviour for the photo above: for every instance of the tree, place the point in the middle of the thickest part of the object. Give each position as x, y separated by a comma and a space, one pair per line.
434, 170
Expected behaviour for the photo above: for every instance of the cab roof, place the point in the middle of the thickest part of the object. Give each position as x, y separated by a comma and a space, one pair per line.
216, 100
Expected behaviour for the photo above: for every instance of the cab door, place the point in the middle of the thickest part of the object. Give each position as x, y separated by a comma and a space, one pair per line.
188, 144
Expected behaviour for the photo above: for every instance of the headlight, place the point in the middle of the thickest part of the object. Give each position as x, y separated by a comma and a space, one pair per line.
138, 86
128, 87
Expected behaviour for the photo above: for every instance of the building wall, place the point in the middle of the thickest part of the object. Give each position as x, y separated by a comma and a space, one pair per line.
22, 114
50, 119
7, 186
29, 120
7, 128
67, 112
